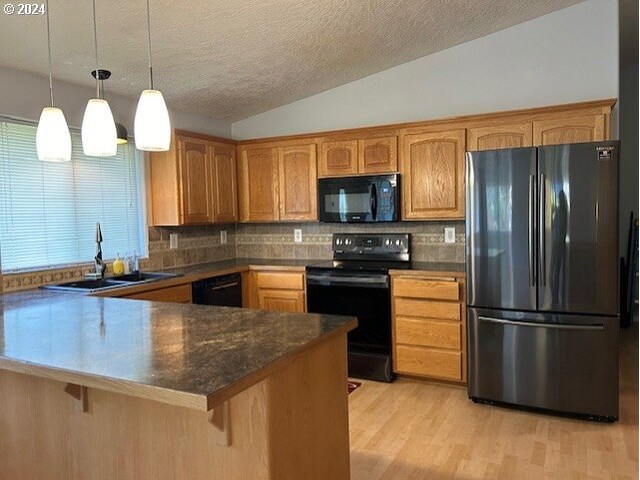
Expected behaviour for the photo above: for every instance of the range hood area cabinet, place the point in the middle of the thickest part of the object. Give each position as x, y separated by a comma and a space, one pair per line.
194, 183
278, 182
353, 156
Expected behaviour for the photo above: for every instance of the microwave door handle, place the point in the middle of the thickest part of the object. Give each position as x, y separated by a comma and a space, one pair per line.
374, 201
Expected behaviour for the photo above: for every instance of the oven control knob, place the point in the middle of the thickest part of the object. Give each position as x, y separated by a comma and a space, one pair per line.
339, 241
387, 242
348, 241
398, 242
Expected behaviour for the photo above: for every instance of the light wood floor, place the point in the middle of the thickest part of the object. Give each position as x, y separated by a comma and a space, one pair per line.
418, 430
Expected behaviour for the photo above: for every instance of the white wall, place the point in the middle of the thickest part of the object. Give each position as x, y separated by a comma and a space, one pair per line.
23, 95
567, 56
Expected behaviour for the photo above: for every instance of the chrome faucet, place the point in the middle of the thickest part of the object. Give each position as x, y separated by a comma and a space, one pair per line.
99, 264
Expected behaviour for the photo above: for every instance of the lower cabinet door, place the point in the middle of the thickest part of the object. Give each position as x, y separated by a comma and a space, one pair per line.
281, 300
445, 364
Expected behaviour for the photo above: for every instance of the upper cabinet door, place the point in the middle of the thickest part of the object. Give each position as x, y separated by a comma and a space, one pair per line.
378, 155
502, 136
589, 128
298, 182
433, 175
338, 158
258, 184
196, 195
223, 183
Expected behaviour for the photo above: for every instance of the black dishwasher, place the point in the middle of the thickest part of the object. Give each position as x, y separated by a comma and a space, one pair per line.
225, 290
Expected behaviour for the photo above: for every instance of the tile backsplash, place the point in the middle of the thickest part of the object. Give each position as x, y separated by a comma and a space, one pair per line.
276, 240
198, 244
201, 244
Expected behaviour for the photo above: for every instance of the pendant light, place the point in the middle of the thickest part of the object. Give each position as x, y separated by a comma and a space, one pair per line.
122, 135
53, 140
152, 127
98, 127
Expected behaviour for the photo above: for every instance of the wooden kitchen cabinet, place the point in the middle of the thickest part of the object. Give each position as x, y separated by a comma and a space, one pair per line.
378, 155
281, 300
588, 128
429, 321
338, 159
278, 183
258, 184
177, 294
282, 291
194, 182
366, 156
501, 136
297, 182
432, 166
222, 177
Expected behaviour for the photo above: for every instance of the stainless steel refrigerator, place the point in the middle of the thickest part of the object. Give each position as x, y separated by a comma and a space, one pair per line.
542, 277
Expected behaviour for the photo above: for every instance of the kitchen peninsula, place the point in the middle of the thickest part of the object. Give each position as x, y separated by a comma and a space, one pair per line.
98, 388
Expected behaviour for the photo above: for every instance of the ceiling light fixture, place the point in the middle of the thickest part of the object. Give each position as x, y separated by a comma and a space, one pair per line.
122, 135
98, 127
53, 140
152, 127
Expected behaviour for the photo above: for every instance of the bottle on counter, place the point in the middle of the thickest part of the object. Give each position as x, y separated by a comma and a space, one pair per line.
135, 262
127, 263
118, 266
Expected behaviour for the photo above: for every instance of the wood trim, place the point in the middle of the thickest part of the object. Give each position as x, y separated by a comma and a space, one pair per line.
206, 138
602, 106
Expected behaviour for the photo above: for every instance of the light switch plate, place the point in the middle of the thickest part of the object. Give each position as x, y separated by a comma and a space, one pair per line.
173, 241
450, 235
297, 235
223, 237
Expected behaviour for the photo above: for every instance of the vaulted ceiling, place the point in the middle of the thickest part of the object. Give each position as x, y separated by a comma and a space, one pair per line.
233, 59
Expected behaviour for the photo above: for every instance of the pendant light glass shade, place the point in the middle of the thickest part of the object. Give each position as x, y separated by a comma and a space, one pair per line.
152, 127
99, 138
53, 141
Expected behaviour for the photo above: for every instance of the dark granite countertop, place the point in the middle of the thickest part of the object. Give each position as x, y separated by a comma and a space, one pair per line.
187, 355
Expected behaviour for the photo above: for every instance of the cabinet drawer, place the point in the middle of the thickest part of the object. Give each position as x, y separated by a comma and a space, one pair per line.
179, 294
281, 280
426, 288
427, 308
428, 333
428, 362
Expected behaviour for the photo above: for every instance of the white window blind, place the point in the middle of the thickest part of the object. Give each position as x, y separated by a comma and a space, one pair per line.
48, 211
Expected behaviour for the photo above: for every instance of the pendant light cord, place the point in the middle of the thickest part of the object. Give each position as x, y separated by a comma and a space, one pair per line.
149, 44
95, 44
49, 53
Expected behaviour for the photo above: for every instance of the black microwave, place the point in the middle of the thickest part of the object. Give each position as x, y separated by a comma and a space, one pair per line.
372, 198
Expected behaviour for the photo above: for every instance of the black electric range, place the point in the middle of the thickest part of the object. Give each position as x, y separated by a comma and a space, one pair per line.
356, 283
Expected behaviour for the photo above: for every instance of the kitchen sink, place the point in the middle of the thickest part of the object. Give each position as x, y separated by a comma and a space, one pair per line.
88, 286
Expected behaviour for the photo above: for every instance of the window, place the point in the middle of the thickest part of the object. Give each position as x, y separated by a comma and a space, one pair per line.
48, 211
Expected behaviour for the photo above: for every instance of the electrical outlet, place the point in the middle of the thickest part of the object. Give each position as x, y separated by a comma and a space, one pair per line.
223, 237
173, 241
450, 235
297, 235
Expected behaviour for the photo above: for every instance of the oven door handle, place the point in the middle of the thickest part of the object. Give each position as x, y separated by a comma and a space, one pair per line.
351, 280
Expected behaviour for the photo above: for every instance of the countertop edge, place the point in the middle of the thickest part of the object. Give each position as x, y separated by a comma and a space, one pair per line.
244, 383
178, 398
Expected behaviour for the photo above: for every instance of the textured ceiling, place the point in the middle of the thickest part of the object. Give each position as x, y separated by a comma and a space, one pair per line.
233, 59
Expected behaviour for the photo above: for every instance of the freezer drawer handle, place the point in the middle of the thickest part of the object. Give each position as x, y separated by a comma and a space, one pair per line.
542, 325
532, 267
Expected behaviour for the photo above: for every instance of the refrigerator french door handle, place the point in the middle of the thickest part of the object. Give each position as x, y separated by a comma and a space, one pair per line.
541, 231
556, 326
532, 202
